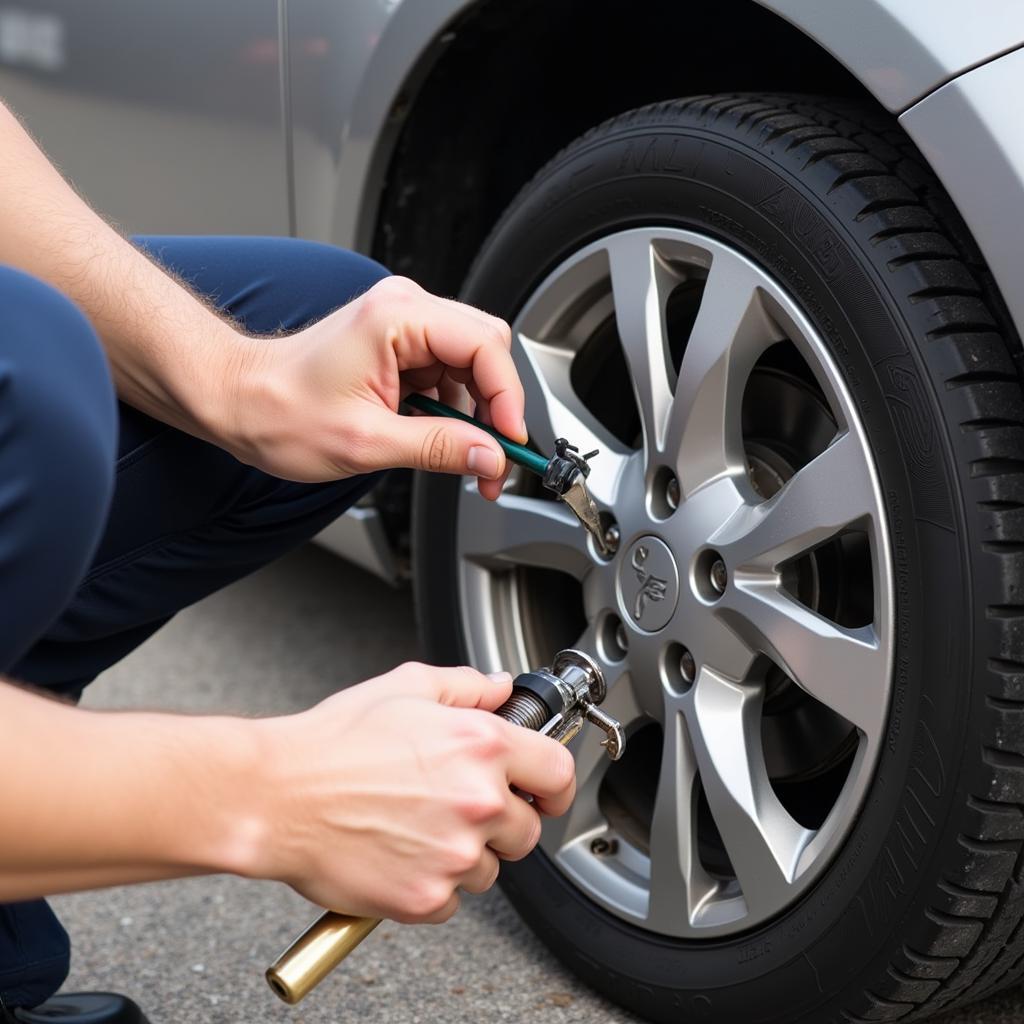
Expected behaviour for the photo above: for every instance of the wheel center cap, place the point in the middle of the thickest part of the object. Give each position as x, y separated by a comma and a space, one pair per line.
648, 584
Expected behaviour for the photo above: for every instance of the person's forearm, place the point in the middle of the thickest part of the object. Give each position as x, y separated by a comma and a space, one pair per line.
382, 800
324, 406
94, 798
171, 356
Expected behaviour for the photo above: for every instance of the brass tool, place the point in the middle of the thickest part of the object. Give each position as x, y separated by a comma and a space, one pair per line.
554, 701
316, 952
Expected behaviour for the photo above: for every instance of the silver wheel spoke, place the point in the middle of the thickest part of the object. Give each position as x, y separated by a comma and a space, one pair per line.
591, 763
825, 496
553, 410
762, 840
728, 424
843, 668
517, 530
724, 649
730, 332
679, 884
641, 283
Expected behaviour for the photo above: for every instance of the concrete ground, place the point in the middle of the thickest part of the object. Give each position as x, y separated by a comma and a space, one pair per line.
194, 951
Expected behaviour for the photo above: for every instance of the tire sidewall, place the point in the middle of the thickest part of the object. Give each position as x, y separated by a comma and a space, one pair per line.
747, 194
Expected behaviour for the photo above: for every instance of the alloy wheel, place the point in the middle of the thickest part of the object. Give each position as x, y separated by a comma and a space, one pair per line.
743, 621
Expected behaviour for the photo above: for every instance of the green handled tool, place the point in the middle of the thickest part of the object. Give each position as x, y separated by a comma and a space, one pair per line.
565, 472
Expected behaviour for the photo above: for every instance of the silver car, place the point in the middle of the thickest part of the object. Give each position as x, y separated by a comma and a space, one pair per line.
764, 256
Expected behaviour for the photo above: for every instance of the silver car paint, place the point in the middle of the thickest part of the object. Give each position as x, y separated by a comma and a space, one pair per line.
902, 49
347, 73
166, 115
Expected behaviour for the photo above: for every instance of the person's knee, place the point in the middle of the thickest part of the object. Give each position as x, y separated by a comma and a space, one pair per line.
58, 398
340, 274
58, 436
326, 276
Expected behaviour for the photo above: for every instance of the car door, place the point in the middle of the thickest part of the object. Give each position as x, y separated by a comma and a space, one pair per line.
166, 116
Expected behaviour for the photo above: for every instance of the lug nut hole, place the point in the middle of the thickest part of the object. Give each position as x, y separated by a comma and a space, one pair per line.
612, 536
678, 668
710, 575
663, 494
614, 638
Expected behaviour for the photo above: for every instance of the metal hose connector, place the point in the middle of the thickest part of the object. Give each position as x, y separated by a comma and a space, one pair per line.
573, 684
525, 709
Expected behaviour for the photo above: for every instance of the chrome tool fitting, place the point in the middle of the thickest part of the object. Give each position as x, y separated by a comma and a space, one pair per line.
555, 701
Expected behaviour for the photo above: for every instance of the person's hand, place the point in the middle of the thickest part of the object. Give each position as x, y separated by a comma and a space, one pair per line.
323, 403
387, 798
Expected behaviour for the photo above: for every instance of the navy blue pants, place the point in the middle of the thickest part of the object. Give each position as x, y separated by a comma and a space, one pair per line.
110, 521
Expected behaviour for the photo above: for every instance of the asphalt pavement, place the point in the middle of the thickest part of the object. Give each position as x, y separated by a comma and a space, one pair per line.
194, 951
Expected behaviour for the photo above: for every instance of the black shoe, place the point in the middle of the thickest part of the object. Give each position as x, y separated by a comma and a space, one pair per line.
82, 1008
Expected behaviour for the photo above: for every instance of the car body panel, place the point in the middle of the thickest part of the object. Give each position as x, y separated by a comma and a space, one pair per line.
981, 162
167, 116
341, 107
903, 49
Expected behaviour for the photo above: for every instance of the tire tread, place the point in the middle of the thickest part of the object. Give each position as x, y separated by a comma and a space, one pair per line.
976, 943
854, 153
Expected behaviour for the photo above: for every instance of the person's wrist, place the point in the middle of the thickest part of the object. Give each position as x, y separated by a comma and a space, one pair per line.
227, 403
235, 836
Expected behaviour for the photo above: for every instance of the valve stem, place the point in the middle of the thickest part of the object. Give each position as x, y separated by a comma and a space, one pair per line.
566, 474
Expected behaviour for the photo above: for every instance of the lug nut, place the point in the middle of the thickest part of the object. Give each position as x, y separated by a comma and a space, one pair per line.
601, 847
612, 536
719, 576
687, 667
672, 493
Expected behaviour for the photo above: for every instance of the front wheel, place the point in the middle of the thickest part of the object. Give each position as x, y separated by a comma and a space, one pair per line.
766, 316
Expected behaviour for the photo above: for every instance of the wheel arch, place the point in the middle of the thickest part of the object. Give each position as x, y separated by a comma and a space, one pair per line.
517, 96
429, 192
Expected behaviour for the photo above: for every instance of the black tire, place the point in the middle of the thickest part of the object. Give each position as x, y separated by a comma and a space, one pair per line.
922, 908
